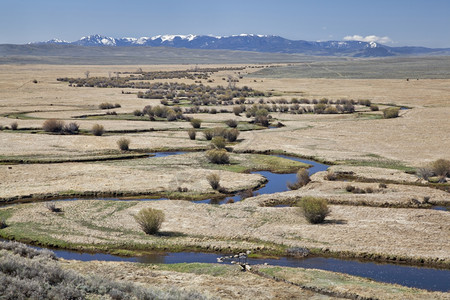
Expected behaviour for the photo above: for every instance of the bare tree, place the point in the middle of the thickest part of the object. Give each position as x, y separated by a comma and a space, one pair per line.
87, 73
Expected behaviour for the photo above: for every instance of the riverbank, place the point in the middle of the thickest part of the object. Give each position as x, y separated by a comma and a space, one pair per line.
414, 236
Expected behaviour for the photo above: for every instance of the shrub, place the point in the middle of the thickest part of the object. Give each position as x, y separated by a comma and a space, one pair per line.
302, 180
150, 220
391, 112
262, 120
218, 156
232, 135
382, 185
71, 128
208, 133
3, 223
237, 110
331, 176
320, 108
106, 105
14, 125
424, 173
231, 123
98, 130
314, 209
1, 127
53, 125
51, 206
374, 107
331, 110
441, 167
213, 180
196, 123
192, 133
247, 194
123, 144
138, 113
350, 188
218, 142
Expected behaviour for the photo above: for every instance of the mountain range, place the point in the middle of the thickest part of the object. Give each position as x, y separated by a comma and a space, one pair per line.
257, 43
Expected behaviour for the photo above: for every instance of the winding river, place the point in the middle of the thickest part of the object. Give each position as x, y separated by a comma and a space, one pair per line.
419, 277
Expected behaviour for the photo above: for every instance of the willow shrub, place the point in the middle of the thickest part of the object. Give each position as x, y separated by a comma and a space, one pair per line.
314, 209
218, 156
150, 220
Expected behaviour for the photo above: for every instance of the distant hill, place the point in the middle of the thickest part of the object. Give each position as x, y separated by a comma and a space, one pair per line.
256, 43
145, 55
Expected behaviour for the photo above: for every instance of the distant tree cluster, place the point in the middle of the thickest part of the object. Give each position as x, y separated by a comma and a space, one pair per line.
131, 80
197, 94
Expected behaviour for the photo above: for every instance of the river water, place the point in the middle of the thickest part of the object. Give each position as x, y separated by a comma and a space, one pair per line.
419, 277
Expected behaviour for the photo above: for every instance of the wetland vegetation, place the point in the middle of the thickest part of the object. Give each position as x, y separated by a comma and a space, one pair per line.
71, 135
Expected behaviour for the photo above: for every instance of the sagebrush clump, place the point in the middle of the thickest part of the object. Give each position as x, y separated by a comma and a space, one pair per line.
98, 130
302, 180
218, 142
192, 133
391, 112
441, 167
27, 273
214, 180
124, 144
196, 123
231, 123
150, 220
218, 156
53, 125
14, 125
314, 209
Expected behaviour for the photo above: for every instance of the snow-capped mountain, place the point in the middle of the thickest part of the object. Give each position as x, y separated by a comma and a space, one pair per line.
250, 42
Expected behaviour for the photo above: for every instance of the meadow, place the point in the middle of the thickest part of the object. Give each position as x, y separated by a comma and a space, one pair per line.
329, 111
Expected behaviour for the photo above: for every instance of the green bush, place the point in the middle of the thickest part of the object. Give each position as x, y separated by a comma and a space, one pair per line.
150, 220
314, 209
391, 112
123, 144
98, 130
218, 142
302, 180
196, 123
213, 180
53, 125
192, 133
218, 156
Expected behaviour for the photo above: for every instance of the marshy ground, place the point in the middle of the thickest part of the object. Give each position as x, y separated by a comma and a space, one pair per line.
393, 220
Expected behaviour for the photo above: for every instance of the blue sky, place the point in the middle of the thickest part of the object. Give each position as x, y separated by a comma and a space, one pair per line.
393, 22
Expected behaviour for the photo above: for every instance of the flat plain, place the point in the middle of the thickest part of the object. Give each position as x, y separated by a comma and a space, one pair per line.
393, 221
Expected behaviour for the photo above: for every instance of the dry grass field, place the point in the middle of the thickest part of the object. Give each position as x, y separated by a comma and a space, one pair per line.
390, 221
